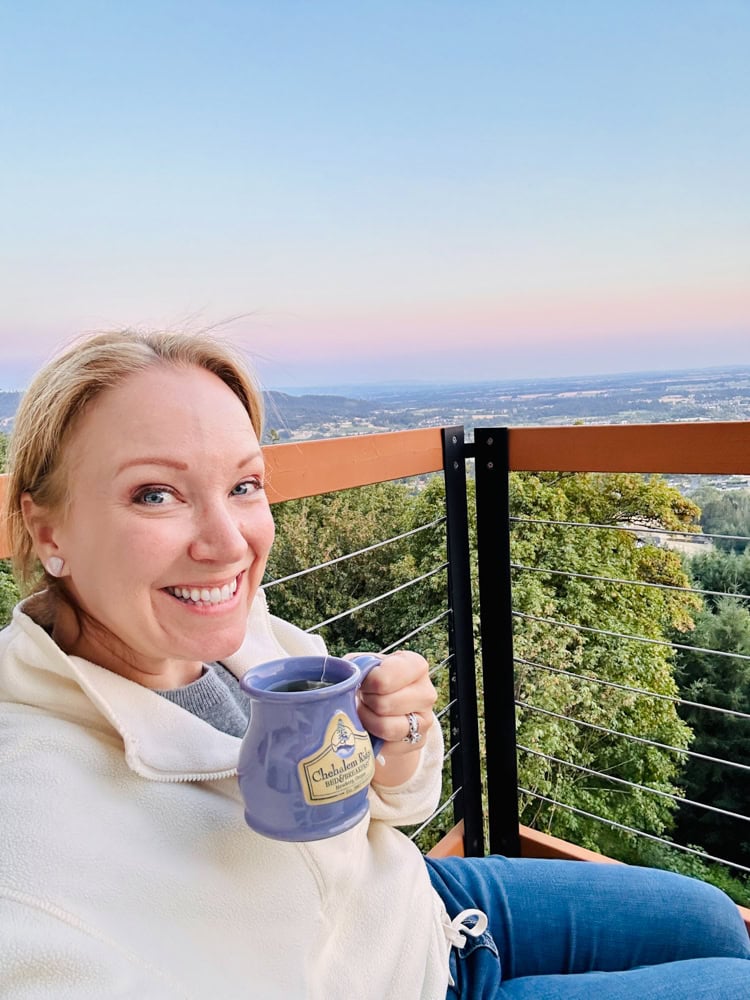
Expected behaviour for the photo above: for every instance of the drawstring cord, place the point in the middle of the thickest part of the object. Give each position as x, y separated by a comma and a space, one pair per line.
457, 929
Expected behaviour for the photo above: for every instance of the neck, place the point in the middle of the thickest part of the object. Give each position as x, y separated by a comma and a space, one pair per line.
95, 644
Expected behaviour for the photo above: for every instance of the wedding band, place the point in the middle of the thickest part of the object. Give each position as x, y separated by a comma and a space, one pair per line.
414, 734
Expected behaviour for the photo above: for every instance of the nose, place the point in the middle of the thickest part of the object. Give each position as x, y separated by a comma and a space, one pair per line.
218, 535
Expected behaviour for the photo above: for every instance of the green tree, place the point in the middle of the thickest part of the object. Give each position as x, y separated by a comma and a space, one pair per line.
725, 512
721, 571
617, 608
9, 594
318, 529
656, 855
723, 682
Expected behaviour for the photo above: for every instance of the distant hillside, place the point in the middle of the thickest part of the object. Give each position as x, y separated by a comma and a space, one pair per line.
8, 405
284, 413
292, 412
647, 397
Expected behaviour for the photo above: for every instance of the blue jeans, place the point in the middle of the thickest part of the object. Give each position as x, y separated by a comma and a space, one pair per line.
570, 930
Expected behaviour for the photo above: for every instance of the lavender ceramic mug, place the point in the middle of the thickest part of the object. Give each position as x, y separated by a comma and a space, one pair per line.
306, 761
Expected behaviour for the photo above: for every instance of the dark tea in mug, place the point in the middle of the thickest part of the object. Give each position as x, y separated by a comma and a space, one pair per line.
300, 685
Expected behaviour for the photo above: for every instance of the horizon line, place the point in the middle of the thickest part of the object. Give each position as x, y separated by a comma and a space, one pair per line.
515, 380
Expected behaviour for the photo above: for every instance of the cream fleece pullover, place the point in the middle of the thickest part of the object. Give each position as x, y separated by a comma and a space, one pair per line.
127, 870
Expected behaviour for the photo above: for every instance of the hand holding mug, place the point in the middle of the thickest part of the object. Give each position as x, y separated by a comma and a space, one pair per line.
395, 703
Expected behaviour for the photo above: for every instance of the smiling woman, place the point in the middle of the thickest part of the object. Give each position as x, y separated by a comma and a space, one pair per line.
176, 504
140, 527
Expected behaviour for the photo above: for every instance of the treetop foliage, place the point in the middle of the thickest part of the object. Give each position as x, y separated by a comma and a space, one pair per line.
725, 512
312, 531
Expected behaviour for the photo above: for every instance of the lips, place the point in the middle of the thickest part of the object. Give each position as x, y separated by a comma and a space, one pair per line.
205, 596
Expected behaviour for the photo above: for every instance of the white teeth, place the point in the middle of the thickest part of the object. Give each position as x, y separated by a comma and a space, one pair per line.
205, 595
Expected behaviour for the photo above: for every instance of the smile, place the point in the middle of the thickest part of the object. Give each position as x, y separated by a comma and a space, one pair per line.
203, 596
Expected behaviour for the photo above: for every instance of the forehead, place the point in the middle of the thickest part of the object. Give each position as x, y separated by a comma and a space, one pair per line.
185, 413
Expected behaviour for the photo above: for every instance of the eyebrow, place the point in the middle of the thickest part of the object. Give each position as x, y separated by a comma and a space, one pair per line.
172, 463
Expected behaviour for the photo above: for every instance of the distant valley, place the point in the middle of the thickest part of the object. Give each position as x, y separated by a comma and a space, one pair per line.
707, 394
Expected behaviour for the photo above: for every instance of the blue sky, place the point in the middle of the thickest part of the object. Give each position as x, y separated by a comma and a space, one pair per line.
381, 190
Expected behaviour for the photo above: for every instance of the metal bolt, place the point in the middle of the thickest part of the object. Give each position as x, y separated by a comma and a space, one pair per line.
455, 465
490, 465
455, 439
490, 440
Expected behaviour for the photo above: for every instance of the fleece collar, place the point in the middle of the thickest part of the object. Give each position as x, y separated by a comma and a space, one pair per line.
162, 741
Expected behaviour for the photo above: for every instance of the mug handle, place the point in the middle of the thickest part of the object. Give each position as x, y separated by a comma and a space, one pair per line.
366, 662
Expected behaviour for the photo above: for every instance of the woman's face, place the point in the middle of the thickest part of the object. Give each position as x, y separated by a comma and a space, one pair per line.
168, 529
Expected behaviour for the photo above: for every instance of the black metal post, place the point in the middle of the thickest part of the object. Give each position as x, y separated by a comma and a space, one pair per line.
495, 609
465, 762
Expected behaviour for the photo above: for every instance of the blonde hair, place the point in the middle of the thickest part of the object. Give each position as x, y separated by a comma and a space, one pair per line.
65, 388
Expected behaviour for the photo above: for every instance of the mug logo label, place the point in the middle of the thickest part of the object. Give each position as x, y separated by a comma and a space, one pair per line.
343, 765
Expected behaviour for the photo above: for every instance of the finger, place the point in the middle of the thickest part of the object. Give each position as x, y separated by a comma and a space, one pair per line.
397, 671
419, 697
395, 729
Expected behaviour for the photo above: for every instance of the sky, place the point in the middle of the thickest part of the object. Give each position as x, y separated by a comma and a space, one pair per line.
380, 190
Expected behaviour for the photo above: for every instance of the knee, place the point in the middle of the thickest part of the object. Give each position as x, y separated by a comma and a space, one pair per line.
707, 914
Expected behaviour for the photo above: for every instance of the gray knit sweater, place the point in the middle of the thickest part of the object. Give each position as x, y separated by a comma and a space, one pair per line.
216, 697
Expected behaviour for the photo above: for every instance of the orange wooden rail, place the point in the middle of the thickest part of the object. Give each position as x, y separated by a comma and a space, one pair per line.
311, 467
694, 448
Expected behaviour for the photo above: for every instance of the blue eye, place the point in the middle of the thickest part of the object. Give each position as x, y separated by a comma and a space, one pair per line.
153, 496
247, 487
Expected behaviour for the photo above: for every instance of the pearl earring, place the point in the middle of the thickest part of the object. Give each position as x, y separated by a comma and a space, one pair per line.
55, 566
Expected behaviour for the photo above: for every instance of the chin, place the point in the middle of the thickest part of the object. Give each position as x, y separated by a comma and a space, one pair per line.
220, 648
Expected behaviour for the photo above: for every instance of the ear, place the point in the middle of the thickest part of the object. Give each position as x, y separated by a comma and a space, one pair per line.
43, 528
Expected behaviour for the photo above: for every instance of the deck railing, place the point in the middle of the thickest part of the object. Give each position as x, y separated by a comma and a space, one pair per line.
707, 449
487, 815
600, 687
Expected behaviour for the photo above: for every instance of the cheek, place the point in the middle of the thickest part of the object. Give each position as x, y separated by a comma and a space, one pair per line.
258, 526
264, 534
139, 551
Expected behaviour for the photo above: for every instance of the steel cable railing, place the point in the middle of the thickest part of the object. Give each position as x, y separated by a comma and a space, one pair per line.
375, 600
434, 671
446, 709
552, 573
629, 829
635, 785
416, 631
633, 583
351, 555
635, 739
632, 690
438, 812
629, 526
627, 635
